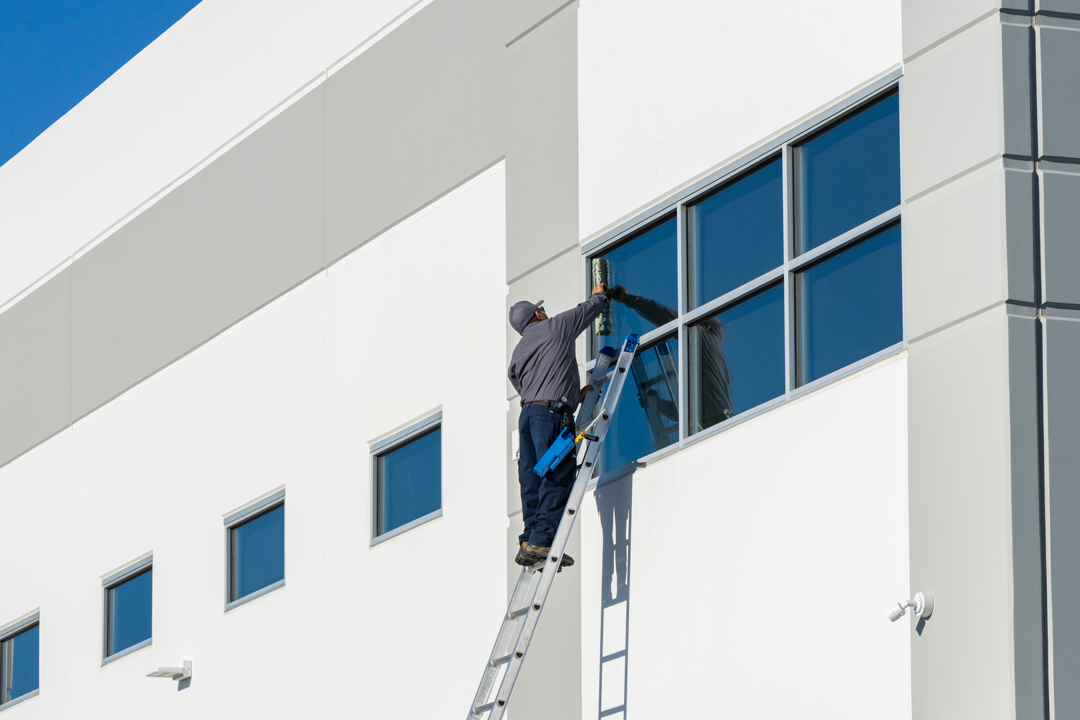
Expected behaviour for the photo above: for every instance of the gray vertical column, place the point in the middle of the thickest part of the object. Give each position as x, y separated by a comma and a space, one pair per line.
972, 308
543, 263
1057, 31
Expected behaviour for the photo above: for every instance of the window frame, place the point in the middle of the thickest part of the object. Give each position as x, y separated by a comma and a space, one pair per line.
17, 628
235, 519
378, 448
728, 172
114, 580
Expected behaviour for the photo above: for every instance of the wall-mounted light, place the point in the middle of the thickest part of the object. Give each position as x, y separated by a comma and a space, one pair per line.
923, 604
175, 673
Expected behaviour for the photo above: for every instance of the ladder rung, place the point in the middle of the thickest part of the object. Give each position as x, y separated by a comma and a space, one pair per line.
482, 709
519, 613
501, 660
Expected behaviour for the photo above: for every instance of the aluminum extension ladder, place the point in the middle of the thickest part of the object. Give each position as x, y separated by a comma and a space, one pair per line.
521, 604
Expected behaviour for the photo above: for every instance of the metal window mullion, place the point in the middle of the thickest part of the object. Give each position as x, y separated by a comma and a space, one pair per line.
681, 339
732, 297
851, 236
789, 295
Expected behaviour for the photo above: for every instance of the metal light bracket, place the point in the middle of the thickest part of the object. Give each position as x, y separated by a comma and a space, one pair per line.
176, 673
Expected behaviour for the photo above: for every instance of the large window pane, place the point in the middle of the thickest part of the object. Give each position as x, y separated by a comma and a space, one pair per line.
409, 482
737, 359
19, 665
646, 268
258, 553
848, 174
129, 612
737, 234
849, 306
647, 416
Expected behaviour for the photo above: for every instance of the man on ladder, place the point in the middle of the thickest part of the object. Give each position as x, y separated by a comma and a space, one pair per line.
543, 370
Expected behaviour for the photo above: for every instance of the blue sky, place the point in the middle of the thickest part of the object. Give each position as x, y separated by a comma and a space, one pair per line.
53, 53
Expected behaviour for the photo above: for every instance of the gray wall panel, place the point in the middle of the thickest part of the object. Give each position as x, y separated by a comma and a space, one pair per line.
542, 149
1018, 69
237, 234
1020, 233
1062, 399
959, 498
1026, 515
35, 367
1061, 6
1061, 237
412, 117
1059, 92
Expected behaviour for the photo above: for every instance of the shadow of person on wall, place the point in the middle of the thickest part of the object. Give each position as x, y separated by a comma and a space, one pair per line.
613, 503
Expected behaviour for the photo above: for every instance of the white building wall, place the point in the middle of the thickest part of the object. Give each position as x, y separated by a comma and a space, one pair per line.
761, 565
289, 397
667, 91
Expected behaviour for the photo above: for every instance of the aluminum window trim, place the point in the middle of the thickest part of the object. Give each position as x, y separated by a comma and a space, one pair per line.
134, 568
115, 580
254, 595
835, 111
880, 222
383, 447
21, 698
18, 626
127, 651
255, 508
734, 296
260, 507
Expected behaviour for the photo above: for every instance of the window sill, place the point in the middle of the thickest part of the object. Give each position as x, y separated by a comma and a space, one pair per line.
21, 698
127, 651
423, 520
257, 594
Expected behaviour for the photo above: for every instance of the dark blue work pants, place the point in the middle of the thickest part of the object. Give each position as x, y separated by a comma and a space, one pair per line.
542, 499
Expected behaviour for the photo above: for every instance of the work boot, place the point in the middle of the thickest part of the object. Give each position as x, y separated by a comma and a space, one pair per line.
522, 558
536, 554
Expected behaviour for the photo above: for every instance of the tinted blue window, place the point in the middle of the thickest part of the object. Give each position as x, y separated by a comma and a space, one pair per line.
19, 665
409, 482
849, 306
737, 234
130, 611
848, 175
737, 359
258, 553
647, 416
646, 268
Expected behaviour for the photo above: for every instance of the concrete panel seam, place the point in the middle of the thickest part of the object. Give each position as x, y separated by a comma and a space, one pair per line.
376, 36
960, 30
56, 270
543, 20
236, 139
962, 174
957, 321
1064, 21
575, 248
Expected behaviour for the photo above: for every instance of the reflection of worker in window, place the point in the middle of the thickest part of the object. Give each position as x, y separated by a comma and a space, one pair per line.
712, 379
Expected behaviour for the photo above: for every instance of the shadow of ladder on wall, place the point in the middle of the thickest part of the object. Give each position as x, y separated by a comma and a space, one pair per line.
527, 601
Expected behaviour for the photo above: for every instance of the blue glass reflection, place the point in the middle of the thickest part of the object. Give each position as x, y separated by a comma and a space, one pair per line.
409, 482
647, 416
258, 553
849, 306
848, 175
19, 661
737, 359
130, 611
737, 234
645, 267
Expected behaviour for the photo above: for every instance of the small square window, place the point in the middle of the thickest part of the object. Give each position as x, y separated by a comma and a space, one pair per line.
647, 416
19, 662
256, 539
129, 600
848, 174
737, 358
408, 478
849, 306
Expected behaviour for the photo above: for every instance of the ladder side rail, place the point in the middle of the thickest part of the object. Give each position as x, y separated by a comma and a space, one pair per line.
506, 630
566, 525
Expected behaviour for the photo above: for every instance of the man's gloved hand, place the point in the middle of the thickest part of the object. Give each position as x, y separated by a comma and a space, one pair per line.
584, 391
601, 288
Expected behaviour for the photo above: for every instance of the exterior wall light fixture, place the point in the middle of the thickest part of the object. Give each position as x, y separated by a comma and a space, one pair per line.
176, 673
923, 604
